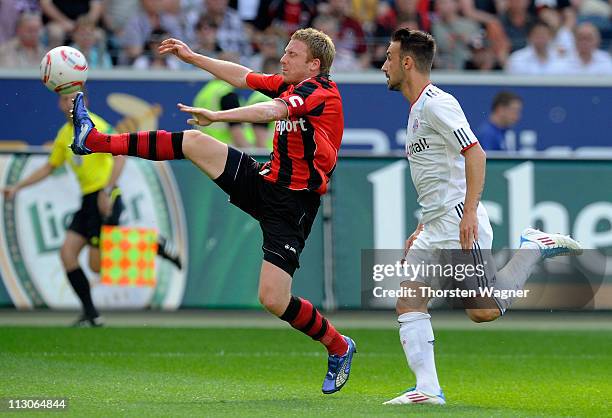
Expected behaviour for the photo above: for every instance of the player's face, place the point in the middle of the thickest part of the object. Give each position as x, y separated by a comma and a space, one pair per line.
295, 63
393, 67
65, 103
513, 112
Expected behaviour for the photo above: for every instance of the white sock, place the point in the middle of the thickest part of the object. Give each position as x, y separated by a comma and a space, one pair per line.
514, 274
417, 338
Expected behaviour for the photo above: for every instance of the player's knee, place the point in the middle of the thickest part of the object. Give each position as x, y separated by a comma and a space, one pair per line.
483, 315
272, 301
70, 261
94, 266
192, 140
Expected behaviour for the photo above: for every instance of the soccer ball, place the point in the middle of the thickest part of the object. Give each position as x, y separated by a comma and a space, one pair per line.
64, 70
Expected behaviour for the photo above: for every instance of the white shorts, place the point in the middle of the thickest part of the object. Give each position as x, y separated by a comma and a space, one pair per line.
442, 233
438, 244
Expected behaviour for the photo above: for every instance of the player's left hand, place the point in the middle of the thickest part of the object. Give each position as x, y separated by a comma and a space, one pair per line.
468, 230
200, 116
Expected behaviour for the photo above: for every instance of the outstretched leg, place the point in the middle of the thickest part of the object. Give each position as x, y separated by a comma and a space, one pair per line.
535, 245
203, 150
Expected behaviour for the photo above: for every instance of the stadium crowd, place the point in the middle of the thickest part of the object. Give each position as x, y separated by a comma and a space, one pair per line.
516, 36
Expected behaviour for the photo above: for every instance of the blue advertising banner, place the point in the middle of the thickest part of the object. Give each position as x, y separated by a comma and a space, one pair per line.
556, 116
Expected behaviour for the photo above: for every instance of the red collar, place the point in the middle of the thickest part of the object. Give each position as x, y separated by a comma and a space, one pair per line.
419, 96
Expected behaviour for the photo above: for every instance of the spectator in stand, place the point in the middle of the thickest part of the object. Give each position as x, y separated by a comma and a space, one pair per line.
151, 58
87, 40
206, 38
483, 57
538, 57
588, 59
365, 12
485, 12
345, 59
452, 33
231, 33
516, 21
391, 17
60, 17
115, 16
290, 15
481, 11
247, 10
389, 14
152, 15
9, 15
350, 34
505, 113
25, 49
562, 25
599, 13
269, 44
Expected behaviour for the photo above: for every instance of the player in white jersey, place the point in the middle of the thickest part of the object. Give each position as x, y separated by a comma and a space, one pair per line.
447, 166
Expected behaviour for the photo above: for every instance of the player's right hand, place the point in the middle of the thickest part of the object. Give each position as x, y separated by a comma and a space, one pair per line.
10, 192
176, 47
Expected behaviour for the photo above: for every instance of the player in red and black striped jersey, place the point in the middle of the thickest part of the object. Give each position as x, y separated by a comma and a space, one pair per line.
306, 144
283, 194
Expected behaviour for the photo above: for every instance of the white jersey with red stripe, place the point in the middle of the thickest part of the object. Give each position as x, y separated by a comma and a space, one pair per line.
437, 135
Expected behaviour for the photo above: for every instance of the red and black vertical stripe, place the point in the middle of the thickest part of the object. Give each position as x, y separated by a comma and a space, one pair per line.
156, 145
310, 147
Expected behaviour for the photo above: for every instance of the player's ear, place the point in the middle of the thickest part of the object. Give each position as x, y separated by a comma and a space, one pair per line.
407, 62
315, 64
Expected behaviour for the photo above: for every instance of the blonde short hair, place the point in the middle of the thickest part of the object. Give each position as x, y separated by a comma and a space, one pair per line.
319, 45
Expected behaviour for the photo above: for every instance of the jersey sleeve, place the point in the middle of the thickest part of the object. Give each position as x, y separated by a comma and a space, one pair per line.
307, 99
272, 85
59, 150
446, 117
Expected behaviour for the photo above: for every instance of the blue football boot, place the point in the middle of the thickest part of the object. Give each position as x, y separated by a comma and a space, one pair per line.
82, 125
339, 368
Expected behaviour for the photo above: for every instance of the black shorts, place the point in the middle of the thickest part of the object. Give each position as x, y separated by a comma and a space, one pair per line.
88, 221
285, 216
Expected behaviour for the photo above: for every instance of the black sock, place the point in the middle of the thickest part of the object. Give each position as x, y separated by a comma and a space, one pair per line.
170, 254
80, 284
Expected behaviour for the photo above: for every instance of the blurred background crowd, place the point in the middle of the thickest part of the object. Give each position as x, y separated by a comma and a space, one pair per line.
516, 36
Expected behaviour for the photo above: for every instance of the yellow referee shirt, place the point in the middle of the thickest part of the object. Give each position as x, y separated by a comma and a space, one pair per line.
92, 171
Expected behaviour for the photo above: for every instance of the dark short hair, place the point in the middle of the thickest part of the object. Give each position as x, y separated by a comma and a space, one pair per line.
538, 24
206, 21
420, 45
504, 98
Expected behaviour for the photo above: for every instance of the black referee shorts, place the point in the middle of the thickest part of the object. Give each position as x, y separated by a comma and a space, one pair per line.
88, 221
285, 216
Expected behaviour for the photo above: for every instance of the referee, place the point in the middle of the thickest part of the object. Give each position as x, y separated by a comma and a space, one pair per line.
101, 204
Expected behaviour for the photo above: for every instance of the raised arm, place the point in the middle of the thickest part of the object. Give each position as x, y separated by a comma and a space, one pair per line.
234, 74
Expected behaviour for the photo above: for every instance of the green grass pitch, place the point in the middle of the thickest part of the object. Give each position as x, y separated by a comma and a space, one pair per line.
278, 372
